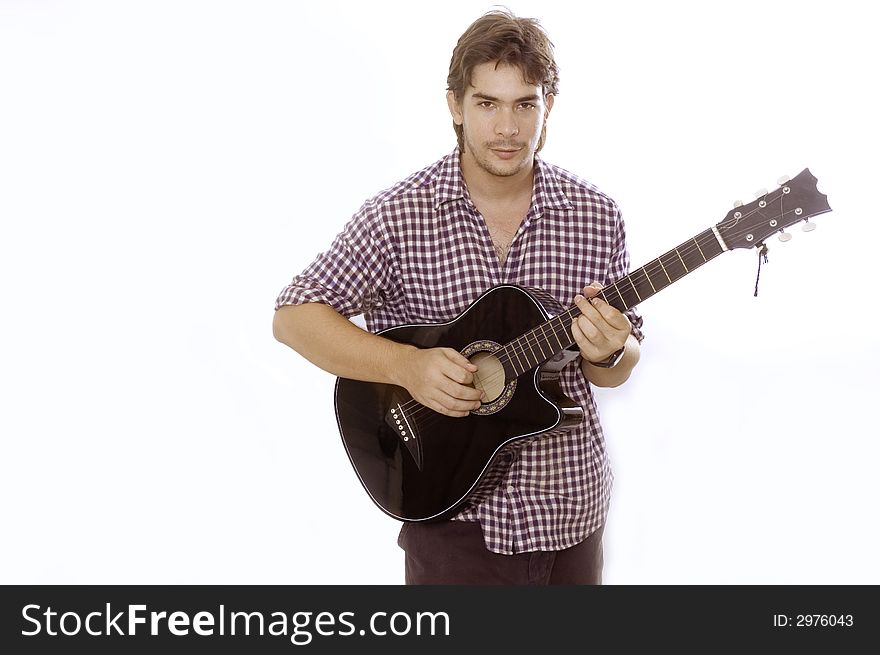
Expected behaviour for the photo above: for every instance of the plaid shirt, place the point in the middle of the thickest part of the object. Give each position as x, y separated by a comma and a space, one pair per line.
420, 252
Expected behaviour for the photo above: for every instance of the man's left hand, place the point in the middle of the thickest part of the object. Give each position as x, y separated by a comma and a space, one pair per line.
600, 330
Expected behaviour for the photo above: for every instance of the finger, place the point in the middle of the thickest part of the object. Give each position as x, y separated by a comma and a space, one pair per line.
460, 391
459, 359
591, 332
590, 310
456, 372
590, 313
612, 316
599, 336
592, 289
596, 345
449, 406
579, 337
458, 405
437, 407
588, 348
441, 403
608, 341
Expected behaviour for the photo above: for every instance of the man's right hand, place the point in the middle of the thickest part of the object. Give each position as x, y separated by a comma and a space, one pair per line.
439, 378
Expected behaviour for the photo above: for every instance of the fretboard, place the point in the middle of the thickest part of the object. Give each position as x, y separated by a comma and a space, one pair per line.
552, 337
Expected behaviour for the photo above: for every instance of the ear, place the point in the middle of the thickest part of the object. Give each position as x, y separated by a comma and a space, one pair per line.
454, 108
548, 104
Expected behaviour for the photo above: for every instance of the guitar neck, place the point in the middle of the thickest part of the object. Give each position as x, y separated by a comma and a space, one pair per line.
552, 337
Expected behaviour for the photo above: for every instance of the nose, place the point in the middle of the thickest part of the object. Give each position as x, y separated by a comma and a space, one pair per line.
506, 124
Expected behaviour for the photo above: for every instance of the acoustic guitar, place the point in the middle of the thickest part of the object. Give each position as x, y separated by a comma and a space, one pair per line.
419, 465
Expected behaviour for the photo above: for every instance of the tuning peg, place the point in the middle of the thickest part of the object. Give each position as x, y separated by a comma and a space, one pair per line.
760, 193
808, 226
782, 180
737, 203
784, 236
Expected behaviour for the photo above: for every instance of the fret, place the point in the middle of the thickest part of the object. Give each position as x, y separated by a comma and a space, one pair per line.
693, 259
628, 295
529, 355
673, 265
632, 284
710, 246
565, 320
700, 249
660, 261
537, 346
531, 348
686, 269
529, 351
639, 277
619, 303
539, 340
656, 275
556, 334
513, 346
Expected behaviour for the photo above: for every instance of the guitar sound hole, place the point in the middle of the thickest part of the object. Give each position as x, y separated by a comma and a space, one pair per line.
489, 377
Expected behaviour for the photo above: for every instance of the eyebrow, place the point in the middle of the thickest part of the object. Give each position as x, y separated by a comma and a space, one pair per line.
483, 96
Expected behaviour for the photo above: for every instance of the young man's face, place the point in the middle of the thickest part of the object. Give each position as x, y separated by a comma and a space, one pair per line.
502, 117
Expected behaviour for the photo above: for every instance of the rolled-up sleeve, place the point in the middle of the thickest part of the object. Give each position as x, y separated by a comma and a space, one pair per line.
355, 275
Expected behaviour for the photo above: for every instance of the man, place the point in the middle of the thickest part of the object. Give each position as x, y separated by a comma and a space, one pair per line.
491, 212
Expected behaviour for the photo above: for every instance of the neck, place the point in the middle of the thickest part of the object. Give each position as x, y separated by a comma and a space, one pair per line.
552, 337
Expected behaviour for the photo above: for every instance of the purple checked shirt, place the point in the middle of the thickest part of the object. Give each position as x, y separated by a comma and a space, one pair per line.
420, 252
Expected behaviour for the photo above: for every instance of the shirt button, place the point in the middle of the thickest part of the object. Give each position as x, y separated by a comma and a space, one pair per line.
510, 489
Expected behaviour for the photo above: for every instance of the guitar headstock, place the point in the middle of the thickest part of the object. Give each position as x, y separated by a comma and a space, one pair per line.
795, 200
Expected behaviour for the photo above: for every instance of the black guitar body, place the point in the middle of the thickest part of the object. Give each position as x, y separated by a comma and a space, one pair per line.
419, 465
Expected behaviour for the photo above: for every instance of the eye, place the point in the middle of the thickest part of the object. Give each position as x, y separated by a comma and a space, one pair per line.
527, 105
485, 104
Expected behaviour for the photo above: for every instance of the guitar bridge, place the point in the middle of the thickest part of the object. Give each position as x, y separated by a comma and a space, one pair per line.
405, 427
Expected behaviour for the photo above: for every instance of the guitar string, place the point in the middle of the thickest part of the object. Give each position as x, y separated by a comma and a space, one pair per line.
517, 351
523, 348
527, 342
519, 347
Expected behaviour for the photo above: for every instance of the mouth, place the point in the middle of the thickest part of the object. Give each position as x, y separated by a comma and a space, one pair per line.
506, 153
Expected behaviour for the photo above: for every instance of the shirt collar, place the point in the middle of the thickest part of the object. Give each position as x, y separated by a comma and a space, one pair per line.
547, 192
449, 183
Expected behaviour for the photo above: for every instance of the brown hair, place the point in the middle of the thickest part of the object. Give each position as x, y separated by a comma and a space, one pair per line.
501, 37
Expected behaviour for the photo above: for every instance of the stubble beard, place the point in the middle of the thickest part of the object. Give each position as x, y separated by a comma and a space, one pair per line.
514, 167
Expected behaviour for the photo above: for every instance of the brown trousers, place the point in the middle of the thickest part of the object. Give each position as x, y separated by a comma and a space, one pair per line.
453, 553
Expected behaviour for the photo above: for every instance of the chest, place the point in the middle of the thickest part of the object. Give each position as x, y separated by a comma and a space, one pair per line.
445, 259
503, 222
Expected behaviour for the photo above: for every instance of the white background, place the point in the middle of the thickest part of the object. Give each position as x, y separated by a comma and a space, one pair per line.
167, 167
